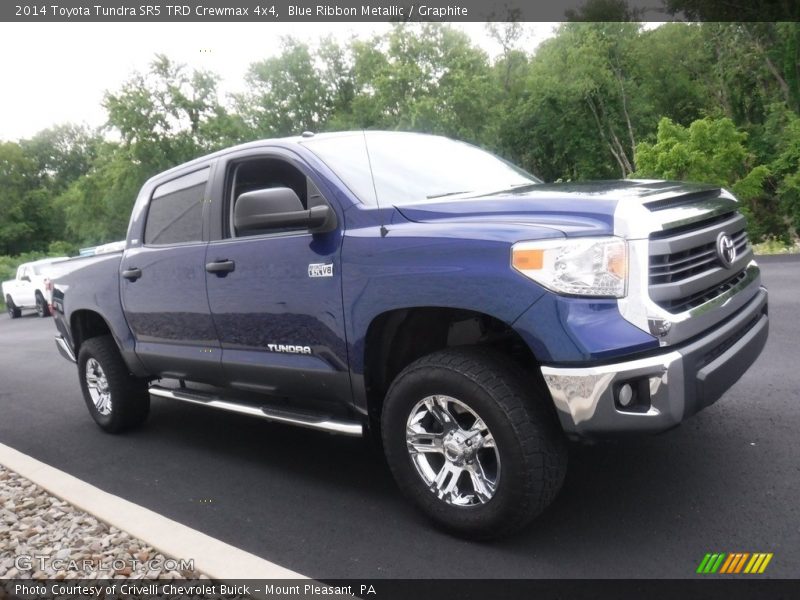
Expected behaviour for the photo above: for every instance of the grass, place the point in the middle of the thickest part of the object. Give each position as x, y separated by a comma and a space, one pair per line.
773, 246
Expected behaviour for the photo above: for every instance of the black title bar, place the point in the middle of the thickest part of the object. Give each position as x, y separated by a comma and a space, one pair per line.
701, 588
270, 11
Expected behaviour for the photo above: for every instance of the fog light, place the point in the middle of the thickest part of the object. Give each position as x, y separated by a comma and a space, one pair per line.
625, 395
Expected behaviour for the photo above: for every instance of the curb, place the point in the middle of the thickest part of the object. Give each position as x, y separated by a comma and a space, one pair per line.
212, 557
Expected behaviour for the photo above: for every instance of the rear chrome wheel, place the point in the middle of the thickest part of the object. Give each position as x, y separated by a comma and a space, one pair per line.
453, 451
97, 386
116, 399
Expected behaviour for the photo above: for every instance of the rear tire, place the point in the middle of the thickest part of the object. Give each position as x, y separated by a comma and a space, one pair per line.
13, 310
117, 400
471, 441
41, 306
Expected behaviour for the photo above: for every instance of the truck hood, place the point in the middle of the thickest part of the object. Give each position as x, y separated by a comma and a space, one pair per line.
575, 209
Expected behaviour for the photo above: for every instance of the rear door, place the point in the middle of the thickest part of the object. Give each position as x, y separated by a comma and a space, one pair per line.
278, 310
164, 283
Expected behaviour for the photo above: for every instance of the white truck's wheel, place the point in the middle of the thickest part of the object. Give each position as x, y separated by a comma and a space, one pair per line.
12, 309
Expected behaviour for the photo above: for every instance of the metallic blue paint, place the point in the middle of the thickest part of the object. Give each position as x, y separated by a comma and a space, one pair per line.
168, 314
562, 330
569, 215
96, 290
432, 254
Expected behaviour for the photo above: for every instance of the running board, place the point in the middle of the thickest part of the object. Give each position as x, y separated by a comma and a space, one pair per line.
280, 416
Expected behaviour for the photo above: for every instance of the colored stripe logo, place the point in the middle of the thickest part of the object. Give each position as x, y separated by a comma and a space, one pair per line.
734, 563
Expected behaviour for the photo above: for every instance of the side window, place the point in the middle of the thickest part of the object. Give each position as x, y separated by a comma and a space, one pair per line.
175, 214
265, 173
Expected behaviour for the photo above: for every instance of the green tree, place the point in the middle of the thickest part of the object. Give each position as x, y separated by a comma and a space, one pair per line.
287, 93
97, 206
425, 78
63, 153
168, 115
580, 114
673, 65
713, 150
25, 224
163, 117
780, 138
709, 150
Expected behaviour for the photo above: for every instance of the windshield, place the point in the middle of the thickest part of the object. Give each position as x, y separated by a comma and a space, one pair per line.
411, 167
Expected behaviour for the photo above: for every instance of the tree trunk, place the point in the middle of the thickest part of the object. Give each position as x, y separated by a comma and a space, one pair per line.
618, 74
627, 167
784, 87
604, 137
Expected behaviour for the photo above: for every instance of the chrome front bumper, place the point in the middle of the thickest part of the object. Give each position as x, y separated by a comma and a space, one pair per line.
672, 385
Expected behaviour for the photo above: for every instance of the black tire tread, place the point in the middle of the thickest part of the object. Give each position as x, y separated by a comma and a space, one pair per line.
44, 311
13, 310
534, 422
129, 395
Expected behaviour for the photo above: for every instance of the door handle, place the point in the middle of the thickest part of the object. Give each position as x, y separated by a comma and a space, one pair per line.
220, 267
132, 274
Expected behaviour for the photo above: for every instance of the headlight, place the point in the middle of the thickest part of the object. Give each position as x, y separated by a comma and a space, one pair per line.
578, 266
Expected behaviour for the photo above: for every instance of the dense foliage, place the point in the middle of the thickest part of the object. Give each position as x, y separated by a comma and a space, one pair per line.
714, 102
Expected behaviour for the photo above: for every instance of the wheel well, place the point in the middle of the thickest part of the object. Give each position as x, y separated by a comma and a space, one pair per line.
397, 338
87, 324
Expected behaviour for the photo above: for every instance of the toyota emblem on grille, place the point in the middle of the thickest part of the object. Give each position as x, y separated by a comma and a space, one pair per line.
726, 250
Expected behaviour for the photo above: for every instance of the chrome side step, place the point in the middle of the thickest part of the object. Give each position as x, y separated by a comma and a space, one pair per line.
280, 416
64, 349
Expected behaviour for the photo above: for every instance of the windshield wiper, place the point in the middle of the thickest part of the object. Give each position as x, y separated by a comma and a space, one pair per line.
447, 194
517, 187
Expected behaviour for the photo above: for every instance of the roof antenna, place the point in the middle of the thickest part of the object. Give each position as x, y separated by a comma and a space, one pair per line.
384, 231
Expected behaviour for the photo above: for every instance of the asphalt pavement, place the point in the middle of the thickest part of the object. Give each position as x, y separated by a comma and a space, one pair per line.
727, 480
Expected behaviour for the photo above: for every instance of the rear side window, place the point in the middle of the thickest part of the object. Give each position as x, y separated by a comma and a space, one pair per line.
175, 215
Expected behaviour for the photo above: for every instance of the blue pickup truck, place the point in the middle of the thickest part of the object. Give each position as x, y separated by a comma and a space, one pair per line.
426, 292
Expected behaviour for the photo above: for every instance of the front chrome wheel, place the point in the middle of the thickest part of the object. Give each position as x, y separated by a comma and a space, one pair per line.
453, 451
97, 384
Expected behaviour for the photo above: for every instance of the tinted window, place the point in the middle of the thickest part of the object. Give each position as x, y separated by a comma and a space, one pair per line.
176, 211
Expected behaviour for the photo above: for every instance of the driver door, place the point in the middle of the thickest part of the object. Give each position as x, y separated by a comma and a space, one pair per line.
278, 308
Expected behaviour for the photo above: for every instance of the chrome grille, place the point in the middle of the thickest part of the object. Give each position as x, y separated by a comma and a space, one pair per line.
685, 270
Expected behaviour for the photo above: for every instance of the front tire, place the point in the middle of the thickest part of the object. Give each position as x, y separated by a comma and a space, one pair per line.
470, 445
14, 312
117, 400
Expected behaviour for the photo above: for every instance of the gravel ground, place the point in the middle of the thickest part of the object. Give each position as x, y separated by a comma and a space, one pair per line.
44, 538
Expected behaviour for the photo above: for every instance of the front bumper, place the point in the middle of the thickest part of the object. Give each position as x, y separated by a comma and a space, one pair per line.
670, 386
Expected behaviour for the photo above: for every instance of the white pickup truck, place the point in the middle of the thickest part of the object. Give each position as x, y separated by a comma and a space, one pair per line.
31, 287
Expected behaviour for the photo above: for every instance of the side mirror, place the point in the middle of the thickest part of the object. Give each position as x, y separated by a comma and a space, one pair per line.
279, 208
25, 278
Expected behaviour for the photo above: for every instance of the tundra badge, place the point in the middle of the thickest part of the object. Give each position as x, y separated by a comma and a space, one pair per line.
289, 348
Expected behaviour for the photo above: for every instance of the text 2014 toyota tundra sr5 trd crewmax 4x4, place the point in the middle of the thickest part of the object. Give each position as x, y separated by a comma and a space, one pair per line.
429, 292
